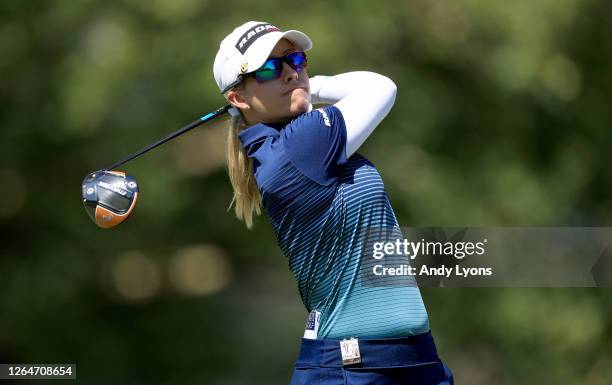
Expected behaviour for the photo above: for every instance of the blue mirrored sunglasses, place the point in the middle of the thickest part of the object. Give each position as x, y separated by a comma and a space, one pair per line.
273, 68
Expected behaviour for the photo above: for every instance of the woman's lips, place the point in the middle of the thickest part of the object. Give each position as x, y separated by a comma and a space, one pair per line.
295, 88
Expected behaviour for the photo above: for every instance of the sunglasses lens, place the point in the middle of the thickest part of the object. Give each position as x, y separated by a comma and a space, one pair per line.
270, 70
297, 60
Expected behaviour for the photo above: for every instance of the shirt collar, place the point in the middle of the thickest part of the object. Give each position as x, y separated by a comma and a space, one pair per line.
259, 131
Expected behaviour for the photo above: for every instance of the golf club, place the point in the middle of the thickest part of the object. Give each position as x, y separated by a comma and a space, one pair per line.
110, 196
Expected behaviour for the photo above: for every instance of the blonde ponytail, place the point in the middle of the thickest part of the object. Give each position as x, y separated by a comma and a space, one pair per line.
247, 198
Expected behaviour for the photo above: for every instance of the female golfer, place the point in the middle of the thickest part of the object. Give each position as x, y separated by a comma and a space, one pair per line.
320, 195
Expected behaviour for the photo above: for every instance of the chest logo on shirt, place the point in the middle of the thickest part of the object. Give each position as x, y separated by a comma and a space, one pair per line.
325, 117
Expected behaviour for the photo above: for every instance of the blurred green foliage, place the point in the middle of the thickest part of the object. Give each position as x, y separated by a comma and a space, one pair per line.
502, 119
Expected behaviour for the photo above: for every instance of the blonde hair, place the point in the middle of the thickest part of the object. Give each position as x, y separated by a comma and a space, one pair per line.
247, 198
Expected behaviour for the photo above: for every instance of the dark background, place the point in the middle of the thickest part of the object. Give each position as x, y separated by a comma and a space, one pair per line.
502, 118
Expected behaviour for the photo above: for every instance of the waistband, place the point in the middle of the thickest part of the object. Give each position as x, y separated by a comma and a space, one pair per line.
375, 353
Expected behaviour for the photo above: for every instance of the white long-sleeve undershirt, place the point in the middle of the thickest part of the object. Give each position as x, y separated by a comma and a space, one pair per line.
364, 99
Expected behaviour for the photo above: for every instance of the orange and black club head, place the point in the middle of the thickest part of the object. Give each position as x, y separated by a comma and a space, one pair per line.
109, 197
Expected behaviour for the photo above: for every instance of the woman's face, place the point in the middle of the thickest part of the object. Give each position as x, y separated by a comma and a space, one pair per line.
275, 100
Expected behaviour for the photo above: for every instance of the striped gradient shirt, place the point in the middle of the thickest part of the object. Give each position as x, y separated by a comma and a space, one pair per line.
319, 203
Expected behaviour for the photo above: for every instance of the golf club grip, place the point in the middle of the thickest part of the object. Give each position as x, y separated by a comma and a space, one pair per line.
181, 131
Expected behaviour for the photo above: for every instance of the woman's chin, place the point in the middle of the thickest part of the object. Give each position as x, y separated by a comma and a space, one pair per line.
299, 107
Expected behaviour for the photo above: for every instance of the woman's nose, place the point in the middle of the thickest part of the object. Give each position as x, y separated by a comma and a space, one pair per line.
289, 73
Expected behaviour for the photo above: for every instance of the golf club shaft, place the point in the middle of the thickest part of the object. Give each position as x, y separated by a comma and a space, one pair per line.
188, 127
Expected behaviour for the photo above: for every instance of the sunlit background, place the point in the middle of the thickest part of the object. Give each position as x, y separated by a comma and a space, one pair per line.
503, 118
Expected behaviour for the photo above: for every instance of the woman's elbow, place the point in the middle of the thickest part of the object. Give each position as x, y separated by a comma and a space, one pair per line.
391, 88
384, 86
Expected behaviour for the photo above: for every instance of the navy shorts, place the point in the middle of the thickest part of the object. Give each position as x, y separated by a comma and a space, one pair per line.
390, 361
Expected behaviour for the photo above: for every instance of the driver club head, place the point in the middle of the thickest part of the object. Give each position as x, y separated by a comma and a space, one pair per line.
109, 197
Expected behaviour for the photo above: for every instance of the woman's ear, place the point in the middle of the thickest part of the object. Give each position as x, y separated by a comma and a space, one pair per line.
237, 100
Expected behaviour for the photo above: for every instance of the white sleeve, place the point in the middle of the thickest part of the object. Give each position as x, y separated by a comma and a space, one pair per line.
364, 99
